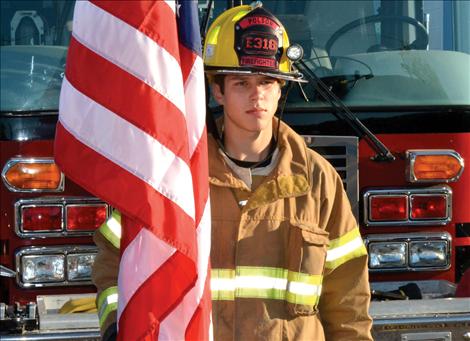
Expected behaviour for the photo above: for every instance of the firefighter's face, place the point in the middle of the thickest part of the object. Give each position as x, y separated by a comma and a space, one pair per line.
250, 102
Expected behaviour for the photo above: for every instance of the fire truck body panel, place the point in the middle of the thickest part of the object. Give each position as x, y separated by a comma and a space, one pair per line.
372, 176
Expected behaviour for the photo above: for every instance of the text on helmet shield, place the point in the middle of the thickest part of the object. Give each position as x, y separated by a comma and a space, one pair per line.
258, 62
260, 43
258, 20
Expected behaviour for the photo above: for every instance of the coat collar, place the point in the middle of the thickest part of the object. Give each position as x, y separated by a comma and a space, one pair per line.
290, 178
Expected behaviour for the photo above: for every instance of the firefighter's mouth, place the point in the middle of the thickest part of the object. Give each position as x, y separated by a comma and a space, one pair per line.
256, 111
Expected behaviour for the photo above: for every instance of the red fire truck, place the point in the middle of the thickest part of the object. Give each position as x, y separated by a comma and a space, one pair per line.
388, 104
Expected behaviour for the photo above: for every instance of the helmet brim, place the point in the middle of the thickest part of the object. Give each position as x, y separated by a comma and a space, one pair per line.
292, 76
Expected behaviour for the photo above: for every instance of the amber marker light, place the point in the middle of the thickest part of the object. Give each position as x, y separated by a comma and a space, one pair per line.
434, 165
33, 175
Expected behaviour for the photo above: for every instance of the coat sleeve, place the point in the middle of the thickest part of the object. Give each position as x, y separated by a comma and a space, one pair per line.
105, 274
345, 297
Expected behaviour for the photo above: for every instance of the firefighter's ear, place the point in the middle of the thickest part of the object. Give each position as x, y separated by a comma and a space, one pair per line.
217, 93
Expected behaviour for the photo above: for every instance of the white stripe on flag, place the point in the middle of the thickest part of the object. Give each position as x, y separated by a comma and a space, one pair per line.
171, 4
170, 328
142, 155
194, 91
134, 268
142, 56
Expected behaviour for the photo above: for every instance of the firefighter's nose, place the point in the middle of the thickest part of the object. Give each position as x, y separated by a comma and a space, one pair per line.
256, 92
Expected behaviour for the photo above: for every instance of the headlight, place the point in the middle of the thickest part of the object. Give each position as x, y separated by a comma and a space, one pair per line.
387, 255
428, 253
409, 251
37, 269
79, 266
55, 265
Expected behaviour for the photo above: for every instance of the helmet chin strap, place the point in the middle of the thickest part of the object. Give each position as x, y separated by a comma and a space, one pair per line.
283, 102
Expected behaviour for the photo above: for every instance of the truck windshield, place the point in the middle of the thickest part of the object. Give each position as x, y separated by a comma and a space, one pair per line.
34, 38
380, 53
371, 52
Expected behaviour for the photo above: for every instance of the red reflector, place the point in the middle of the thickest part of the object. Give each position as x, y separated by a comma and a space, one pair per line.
428, 206
85, 218
41, 218
388, 207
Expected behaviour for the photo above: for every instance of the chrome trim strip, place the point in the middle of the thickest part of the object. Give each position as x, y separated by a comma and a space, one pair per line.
85, 335
52, 250
55, 201
444, 190
415, 322
6, 272
408, 238
13, 161
413, 153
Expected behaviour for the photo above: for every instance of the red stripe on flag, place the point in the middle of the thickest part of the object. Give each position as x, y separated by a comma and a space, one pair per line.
153, 18
125, 191
187, 60
199, 326
157, 296
101, 80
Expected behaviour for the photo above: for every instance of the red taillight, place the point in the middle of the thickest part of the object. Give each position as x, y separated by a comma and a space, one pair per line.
42, 218
59, 217
388, 208
85, 218
428, 206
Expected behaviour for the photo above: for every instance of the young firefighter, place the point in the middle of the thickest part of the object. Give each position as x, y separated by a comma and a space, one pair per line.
288, 261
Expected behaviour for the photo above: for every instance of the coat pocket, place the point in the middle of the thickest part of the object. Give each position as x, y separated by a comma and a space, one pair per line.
307, 250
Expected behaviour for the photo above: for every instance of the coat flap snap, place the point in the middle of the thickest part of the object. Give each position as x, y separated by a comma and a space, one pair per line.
315, 237
312, 234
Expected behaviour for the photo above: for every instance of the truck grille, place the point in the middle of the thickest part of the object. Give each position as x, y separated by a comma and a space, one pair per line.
341, 152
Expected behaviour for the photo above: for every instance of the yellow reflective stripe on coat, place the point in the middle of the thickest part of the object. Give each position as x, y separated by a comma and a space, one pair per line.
111, 229
265, 282
345, 248
107, 303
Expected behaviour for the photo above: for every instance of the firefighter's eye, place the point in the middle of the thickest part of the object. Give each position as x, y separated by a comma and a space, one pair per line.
268, 82
241, 83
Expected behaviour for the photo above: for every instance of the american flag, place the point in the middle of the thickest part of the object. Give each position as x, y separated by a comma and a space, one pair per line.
131, 131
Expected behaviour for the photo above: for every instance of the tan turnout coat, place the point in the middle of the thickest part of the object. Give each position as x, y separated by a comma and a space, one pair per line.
288, 262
